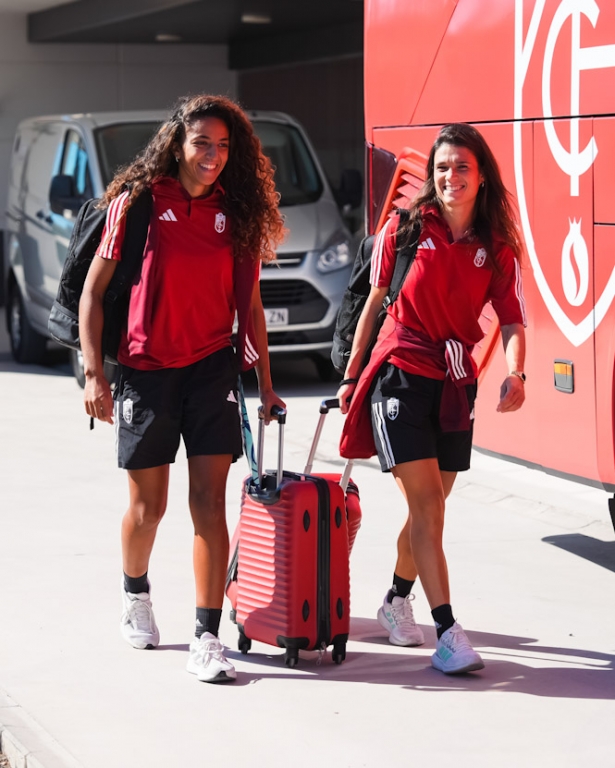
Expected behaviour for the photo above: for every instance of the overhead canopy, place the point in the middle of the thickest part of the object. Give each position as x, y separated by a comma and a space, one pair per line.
258, 32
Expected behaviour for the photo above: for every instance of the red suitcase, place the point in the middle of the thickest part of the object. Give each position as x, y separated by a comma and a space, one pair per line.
288, 577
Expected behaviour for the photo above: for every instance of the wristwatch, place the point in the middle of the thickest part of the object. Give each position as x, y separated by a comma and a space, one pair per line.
519, 374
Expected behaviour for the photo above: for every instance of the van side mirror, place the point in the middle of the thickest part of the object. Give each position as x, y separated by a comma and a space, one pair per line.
62, 195
351, 188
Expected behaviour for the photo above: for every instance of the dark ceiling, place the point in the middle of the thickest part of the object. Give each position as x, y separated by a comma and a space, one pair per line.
298, 30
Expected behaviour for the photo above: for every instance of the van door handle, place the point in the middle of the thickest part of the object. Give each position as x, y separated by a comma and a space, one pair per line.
44, 216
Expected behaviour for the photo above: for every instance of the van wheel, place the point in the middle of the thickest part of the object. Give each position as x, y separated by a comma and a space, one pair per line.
324, 366
27, 346
76, 363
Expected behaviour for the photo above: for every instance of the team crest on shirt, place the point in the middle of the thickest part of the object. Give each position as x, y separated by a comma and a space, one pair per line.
480, 258
392, 408
220, 224
127, 410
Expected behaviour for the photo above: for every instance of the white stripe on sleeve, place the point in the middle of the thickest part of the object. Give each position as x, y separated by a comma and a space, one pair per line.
109, 235
455, 353
377, 253
250, 353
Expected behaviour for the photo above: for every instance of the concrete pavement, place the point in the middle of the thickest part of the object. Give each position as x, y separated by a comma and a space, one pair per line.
532, 563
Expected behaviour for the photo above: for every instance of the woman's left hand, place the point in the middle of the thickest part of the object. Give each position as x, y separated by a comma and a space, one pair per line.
269, 399
512, 395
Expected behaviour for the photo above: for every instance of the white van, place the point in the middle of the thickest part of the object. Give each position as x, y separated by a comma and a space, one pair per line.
58, 162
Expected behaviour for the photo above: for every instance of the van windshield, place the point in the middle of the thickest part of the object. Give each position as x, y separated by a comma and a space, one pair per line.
296, 176
119, 144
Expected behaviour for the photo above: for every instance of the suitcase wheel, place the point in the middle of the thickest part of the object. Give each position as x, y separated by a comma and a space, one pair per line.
339, 653
244, 643
291, 658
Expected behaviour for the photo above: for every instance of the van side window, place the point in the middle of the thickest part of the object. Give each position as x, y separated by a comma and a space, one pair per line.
42, 163
75, 163
19, 155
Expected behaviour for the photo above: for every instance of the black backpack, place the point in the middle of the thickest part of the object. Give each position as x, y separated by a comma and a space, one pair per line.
85, 238
358, 290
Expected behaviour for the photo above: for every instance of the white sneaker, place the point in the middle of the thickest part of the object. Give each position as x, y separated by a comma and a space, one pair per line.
207, 661
454, 654
138, 626
398, 619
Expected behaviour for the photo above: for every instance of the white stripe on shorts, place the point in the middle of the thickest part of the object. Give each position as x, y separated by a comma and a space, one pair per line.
383, 435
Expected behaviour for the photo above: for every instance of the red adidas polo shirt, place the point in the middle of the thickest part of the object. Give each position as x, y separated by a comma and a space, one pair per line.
183, 307
447, 286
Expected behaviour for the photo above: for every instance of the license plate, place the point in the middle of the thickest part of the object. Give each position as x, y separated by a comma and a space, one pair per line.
276, 316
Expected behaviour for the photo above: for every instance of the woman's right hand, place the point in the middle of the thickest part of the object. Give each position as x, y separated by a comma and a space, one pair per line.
344, 395
98, 399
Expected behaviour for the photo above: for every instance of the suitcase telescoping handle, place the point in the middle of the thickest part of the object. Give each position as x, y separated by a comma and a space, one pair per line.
279, 414
325, 407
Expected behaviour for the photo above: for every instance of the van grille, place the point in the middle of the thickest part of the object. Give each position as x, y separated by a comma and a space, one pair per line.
305, 304
287, 293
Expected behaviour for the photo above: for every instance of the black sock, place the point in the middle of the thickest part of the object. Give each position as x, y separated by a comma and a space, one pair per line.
443, 618
401, 588
207, 620
140, 584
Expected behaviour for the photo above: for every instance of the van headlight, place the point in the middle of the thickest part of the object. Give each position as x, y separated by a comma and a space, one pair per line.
334, 257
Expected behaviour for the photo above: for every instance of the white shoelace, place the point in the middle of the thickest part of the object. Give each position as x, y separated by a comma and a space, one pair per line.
403, 614
456, 640
213, 648
140, 615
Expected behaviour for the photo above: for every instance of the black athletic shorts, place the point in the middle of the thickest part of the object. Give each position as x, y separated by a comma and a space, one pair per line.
153, 409
406, 423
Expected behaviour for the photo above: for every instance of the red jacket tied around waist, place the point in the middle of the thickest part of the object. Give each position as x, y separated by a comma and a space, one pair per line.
451, 357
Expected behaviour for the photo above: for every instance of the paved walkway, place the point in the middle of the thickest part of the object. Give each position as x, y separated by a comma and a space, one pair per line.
532, 562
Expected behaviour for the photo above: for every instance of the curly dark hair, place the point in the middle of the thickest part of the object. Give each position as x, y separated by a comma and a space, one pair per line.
251, 200
495, 215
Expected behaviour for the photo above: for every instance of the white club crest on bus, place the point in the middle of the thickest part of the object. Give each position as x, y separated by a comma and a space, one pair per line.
220, 224
574, 160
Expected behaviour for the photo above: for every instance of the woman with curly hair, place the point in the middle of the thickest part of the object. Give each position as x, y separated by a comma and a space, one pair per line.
214, 218
413, 402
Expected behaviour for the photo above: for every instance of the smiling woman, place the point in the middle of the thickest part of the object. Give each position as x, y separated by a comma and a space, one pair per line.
202, 155
457, 179
214, 218
413, 403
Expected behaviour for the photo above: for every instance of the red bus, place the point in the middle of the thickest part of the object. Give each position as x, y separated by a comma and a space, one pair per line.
537, 78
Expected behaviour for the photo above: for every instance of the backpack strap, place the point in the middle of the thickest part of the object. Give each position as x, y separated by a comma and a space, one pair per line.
135, 237
405, 257
117, 295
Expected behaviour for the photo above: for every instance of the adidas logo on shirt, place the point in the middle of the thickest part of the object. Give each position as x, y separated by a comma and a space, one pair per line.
168, 215
428, 245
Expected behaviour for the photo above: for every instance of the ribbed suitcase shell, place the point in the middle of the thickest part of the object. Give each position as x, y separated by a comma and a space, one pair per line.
353, 506
293, 577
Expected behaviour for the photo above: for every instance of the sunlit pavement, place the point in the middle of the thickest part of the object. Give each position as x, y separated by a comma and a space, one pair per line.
531, 558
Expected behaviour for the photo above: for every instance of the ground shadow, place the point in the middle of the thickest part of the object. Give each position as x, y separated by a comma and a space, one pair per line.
596, 551
176, 647
516, 664
56, 363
